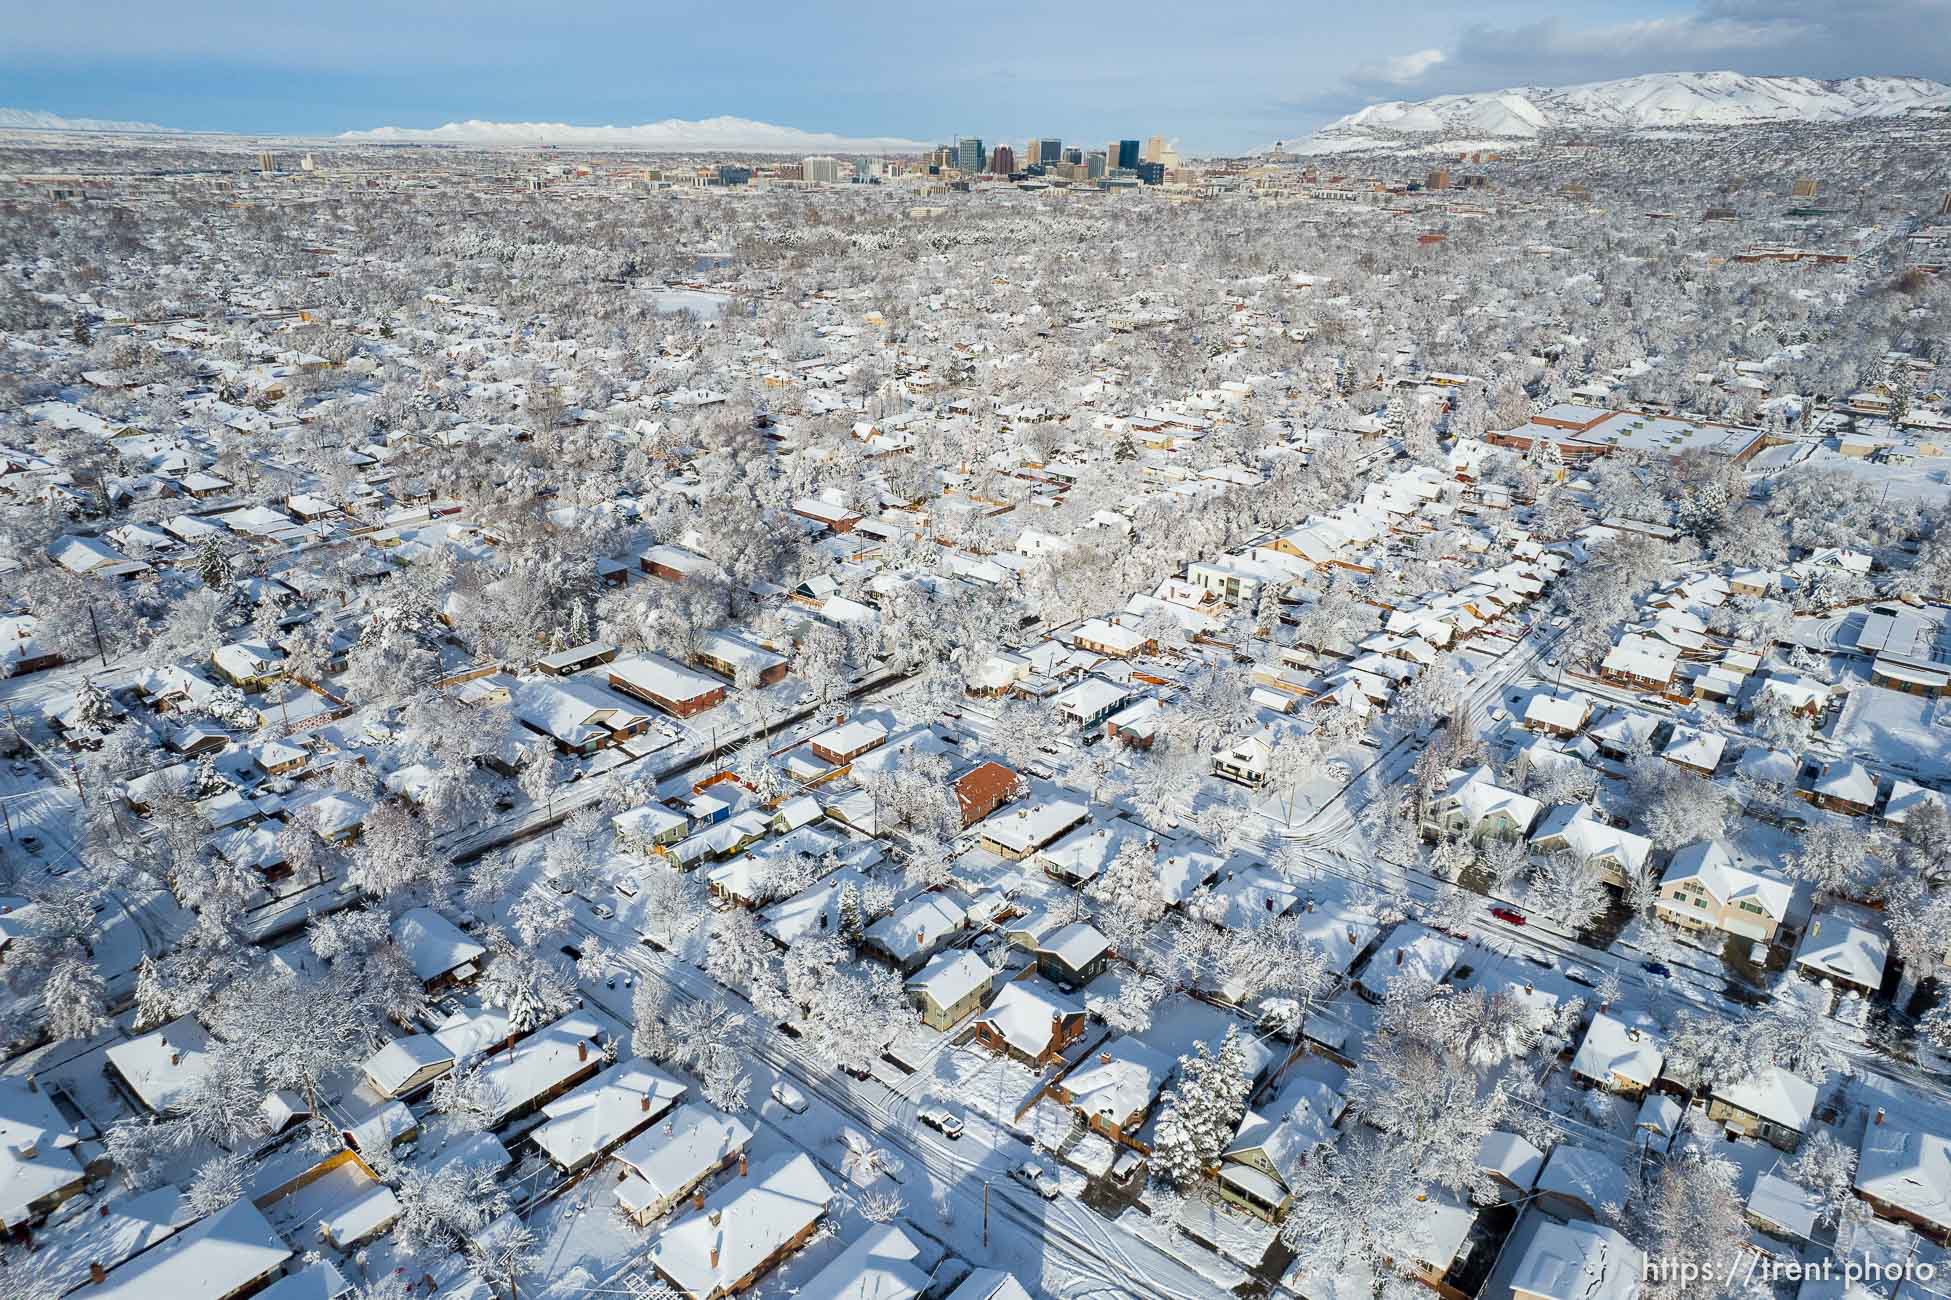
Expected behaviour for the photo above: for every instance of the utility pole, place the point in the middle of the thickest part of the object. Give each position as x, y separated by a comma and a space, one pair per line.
96, 625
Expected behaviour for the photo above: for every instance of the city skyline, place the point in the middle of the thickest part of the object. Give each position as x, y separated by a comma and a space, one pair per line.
1218, 81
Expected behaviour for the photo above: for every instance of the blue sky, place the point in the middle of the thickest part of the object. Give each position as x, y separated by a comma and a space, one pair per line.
1219, 76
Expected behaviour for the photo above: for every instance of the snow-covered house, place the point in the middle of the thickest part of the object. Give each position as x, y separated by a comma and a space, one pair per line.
1579, 829
1905, 1176
1472, 805
1258, 1168
1703, 888
1618, 1056
1113, 1088
665, 1162
38, 1168
951, 986
610, 1109
1770, 1104
1579, 1183
439, 951
743, 1230
1030, 1022
1843, 946
1578, 1261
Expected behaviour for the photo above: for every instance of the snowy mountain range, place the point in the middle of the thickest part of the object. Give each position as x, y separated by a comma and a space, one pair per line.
672, 134
1658, 100
27, 119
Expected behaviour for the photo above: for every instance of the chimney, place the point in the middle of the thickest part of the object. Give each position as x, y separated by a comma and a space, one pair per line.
1633, 1035
1104, 1058
717, 1216
176, 1058
741, 1164
698, 1201
582, 1049
96, 1273
1879, 1114
644, 1101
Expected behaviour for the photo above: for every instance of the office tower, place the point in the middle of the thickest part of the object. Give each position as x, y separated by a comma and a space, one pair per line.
1074, 156
820, 169
968, 154
1128, 158
1151, 173
1094, 164
863, 169
1049, 151
1002, 160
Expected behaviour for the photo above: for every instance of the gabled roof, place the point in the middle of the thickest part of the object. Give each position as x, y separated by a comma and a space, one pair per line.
743, 1224
1907, 1169
433, 944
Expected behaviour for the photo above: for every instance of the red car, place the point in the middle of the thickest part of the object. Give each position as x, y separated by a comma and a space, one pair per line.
1507, 916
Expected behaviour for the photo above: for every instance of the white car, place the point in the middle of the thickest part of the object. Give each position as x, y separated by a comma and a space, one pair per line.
627, 886
602, 911
942, 1120
790, 1097
1038, 1179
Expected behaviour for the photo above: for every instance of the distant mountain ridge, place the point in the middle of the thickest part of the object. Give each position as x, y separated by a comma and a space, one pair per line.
1662, 99
672, 134
28, 119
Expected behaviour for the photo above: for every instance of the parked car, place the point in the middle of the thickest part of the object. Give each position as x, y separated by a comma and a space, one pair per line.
627, 886
790, 1097
561, 885
1038, 1179
1579, 975
602, 911
1657, 969
942, 1120
1507, 915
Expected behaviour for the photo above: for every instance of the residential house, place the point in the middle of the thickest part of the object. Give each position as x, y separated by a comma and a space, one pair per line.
670, 1159
952, 986
248, 665
38, 1168
1845, 787
1113, 1088
620, 1102
735, 658
908, 935
440, 953
576, 659
1578, 1183
1112, 640
883, 1263
1474, 806
1640, 662
1578, 1261
1563, 716
1618, 1056
228, 1255
1582, 831
1770, 1104
1016, 832
580, 717
1032, 1023
677, 690
1704, 889
1258, 1169
981, 790
843, 744
742, 1230
1844, 946
1073, 956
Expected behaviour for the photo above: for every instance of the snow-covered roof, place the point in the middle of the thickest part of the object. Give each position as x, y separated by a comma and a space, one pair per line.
621, 1099
1908, 1170
433, 945
1792, 1208
880, 1264
1023, 1014
675, 1152
743, 1224
1584, 1176
1579, 1261
545, 1059
163, 1065
1712, 864
1612, 1050
29, 1122
393, 1066
1510, 1157
1118, 1080
214, 1259
1837, 944
1775, 1095
951, 976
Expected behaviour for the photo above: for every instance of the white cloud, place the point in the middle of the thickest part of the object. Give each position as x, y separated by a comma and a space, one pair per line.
1402, 69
